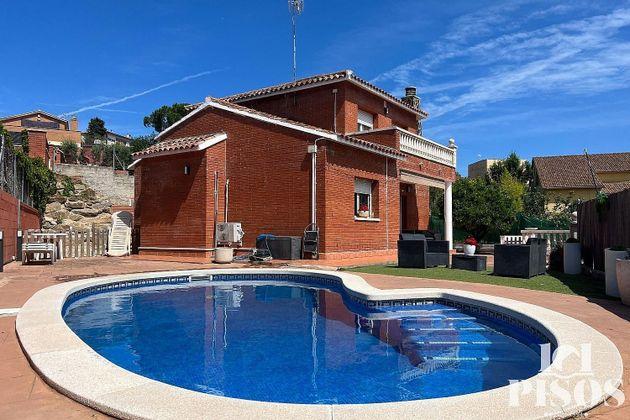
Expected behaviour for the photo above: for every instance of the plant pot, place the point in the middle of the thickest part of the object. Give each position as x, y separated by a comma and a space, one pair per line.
223, 255
469, 249
572, 258
364, 214
623, 280
610, 262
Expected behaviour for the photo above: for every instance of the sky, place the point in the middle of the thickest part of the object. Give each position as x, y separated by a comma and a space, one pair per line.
535, 77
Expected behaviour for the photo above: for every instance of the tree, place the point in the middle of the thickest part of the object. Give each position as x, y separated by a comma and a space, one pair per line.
69, 151
141, 142
165, 116
480, 207
123, 155
96, 129
521, 171
514, 188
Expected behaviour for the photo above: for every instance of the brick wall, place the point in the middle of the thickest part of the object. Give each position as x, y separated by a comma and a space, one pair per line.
355, 98
389, 138
269, 172
315, 106
341, 232
38, 145
9, 224
172, 207
311, 106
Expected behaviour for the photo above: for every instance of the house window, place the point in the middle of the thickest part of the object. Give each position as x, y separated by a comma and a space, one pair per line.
363, 198
365, 121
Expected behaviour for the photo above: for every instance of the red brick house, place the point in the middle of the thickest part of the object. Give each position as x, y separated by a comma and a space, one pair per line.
331, 149
46, 133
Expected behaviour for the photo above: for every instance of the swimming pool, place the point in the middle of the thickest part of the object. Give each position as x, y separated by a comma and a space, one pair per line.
184, 344
300, 343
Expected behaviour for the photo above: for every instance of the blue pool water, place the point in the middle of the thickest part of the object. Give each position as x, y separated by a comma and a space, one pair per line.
299, 343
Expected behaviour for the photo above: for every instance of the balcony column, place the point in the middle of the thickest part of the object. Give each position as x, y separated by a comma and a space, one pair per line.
448, 213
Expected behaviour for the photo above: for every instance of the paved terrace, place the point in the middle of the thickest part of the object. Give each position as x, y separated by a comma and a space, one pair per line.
23, 395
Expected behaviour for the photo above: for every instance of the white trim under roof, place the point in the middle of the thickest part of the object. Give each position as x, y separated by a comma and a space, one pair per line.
209, 102
189, 115
275, 121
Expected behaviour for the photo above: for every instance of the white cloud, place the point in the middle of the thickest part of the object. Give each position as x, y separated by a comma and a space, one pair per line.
139, 94
579, 57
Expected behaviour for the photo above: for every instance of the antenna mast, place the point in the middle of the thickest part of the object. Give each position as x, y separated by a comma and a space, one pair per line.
295, 8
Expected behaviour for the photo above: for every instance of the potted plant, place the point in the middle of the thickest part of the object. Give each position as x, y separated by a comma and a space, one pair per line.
611, 255
470, 245
623, 279
364, 211
572, 258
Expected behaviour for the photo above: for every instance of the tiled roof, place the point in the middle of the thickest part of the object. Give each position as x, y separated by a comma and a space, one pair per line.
348, 140
320, 79
615, 187
38, 111
177, 145
572, 171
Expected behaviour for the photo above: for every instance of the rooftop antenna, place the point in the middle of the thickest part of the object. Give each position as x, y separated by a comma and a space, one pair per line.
295, 8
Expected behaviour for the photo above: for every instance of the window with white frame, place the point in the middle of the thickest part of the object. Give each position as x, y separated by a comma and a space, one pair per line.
365, 121
363, 198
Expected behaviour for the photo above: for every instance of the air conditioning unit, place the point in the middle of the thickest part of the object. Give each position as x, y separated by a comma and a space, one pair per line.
229, 233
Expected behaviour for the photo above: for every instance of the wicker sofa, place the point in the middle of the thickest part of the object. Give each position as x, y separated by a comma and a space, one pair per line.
417, 251
523, 261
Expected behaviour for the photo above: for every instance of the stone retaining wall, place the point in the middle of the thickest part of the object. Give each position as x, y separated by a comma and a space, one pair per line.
116, 186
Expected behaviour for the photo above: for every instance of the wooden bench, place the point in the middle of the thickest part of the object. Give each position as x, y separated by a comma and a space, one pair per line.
30, 250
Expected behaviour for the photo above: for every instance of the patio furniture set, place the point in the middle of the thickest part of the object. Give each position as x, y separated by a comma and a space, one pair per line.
424, 250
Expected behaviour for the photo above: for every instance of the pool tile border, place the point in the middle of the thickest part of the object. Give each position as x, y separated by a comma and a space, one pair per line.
53, 352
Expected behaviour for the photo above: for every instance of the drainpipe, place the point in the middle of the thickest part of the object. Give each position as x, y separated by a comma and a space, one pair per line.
334, 91
312, 149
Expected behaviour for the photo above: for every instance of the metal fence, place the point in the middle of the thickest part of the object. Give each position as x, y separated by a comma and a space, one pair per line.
12, 177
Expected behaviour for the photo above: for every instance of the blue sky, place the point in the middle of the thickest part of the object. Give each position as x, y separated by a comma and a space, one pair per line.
535, 77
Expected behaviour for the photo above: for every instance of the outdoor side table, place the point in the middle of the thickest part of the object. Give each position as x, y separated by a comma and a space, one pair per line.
469, 262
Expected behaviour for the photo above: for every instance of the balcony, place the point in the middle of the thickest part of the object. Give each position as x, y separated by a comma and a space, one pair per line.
427, 149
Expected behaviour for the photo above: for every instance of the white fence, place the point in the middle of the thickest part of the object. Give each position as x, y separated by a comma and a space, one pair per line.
73, 243
553, 237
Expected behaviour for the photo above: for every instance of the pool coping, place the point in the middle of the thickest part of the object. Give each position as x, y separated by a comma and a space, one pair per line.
74, 369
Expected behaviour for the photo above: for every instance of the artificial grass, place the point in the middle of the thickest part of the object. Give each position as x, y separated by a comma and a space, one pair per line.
550, 282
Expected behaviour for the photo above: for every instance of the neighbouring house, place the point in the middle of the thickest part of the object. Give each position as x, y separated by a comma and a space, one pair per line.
109, 139
482, 167
571, 176
46, 133
332, 150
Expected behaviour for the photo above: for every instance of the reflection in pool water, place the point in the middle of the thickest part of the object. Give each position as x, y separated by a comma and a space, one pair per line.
298, 344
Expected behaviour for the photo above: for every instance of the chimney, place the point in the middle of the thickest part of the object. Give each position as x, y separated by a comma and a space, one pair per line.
74, 123
411, 98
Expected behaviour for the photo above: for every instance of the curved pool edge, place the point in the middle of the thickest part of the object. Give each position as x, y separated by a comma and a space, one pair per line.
76, 370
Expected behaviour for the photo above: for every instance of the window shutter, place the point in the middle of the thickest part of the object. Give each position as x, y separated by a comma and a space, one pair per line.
366, 118
362, 186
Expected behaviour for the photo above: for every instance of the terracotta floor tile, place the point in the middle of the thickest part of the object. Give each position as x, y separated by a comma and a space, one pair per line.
24, 396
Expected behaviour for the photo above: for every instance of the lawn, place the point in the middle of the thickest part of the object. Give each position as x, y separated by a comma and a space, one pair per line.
550, 282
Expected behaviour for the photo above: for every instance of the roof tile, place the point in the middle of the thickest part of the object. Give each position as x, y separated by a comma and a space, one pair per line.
572, 171
180, 144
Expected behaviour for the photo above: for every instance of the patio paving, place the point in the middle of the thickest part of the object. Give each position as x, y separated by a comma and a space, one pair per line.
23, 395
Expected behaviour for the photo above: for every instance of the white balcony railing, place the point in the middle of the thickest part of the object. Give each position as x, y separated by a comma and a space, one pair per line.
419, 146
